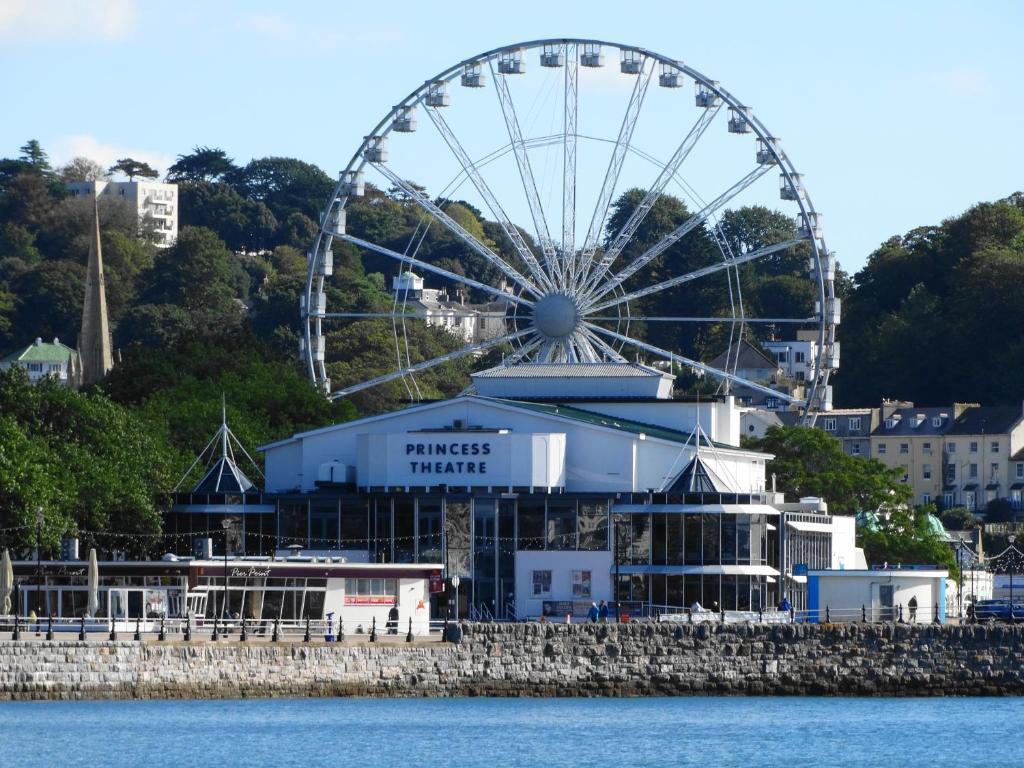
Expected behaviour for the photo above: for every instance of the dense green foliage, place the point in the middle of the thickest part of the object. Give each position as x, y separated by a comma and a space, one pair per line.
810, 462
904, 535
936, 315
90, 464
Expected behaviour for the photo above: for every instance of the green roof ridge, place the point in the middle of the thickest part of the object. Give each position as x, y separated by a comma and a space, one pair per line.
45, 352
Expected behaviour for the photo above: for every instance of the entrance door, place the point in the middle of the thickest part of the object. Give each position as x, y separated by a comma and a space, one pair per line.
886, 600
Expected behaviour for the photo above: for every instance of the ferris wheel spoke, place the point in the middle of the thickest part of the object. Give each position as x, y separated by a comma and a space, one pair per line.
412, 314
697, 274
667, 173
611, 176
679, 232
428, 364
522, 352
515, 136
609, 350
367, 245
473, 173
455, 228
718, 319
676, 358
571, 109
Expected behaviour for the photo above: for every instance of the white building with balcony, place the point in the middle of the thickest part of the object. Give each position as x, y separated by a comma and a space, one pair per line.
470, 322
153, 200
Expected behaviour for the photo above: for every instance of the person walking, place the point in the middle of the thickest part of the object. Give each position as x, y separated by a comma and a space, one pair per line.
392, 625
912, 605
602, 612
593, 613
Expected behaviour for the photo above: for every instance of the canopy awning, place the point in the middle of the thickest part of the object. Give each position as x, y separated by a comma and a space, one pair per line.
801, 525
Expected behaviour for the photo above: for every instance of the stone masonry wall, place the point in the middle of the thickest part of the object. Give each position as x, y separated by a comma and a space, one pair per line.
538, 660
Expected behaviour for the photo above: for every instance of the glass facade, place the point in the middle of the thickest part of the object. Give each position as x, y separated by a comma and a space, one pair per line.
656, 546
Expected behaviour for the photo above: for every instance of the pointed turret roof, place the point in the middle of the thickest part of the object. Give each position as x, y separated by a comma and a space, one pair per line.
223, 474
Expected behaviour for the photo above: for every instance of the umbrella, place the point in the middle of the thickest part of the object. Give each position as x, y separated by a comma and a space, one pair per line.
94, 583
6, 581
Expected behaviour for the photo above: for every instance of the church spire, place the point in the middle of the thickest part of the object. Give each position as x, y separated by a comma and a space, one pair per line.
94, 341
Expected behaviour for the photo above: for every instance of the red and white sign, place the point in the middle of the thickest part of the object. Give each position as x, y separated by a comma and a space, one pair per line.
369, 600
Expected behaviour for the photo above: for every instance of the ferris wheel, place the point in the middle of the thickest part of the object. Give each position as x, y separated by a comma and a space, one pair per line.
570, 125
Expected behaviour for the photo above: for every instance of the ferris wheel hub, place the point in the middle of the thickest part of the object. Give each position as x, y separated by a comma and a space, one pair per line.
556, 315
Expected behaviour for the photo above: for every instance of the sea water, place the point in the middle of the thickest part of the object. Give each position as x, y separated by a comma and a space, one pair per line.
478, 733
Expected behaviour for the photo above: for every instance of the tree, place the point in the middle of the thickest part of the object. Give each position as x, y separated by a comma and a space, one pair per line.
1000, 511
285, 185
82, 169
203, 279
92, 465
203, 164
242, 224
132, 168
904, 535
810, 462
179, 387
33, 154
958, 519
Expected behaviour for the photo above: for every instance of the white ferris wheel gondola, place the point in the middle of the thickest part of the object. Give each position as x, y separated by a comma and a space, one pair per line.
569, 292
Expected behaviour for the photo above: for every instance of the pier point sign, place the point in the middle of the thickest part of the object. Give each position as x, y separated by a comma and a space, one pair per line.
472, 458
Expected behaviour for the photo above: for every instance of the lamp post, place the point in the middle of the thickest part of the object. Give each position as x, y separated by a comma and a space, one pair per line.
1013, 564
39, 560
226, 525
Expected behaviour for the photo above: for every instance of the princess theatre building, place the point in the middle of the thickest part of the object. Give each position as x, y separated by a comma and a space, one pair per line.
544, 491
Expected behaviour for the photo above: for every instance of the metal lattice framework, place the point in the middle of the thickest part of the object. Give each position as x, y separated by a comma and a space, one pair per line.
569, 297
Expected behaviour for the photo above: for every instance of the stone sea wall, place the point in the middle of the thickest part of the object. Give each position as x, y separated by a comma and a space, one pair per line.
538, 660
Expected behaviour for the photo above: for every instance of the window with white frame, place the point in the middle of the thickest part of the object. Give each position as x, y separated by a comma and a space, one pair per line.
881, 449
926, 498
974, 447
995, 446
947, 500
936, 421
993, 469
782, 356
950, 447
926, 471
972, 471
855, 449
904, 447
829, 425
853, 424
542, 583
798, 357
927, 448
1020, 470
950, 473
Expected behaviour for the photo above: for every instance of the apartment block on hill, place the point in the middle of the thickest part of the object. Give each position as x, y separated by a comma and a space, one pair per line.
152, 199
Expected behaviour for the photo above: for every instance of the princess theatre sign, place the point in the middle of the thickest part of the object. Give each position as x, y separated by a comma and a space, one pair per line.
473, 458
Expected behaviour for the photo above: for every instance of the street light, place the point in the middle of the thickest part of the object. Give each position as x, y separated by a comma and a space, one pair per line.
1011, 538
226, 525
39, 559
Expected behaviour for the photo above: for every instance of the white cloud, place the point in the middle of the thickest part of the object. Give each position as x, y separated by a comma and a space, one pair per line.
34, 20
66, 147
963, 81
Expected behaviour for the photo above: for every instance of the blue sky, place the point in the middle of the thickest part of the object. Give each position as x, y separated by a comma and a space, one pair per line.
898, 114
